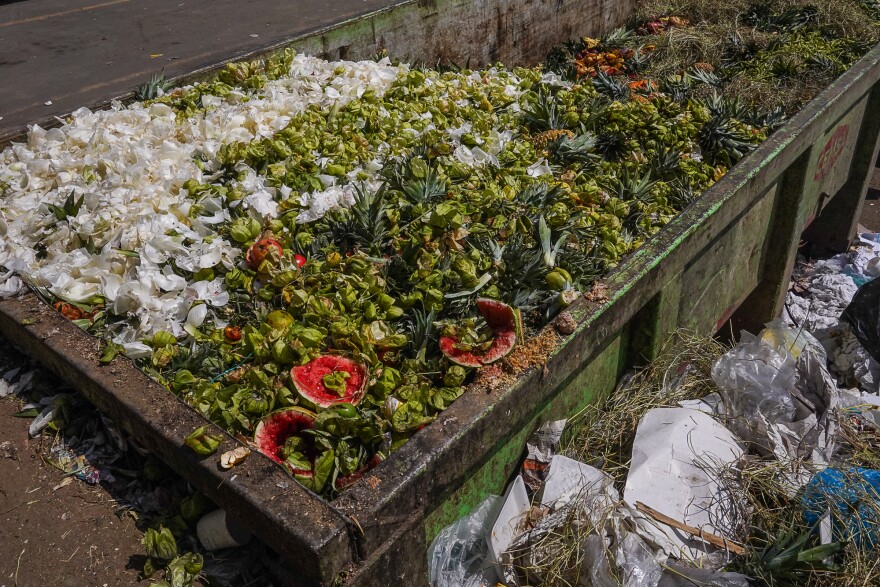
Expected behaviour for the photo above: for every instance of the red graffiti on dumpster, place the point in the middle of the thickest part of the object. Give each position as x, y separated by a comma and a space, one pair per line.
832, 151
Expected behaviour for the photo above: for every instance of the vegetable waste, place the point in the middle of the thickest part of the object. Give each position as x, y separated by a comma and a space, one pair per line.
342, 244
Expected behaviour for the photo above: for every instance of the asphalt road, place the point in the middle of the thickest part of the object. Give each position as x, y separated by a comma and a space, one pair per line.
58, 55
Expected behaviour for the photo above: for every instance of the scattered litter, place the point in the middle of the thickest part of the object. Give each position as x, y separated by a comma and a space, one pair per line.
459, 555
217, 531
863, 316
515, 505
44, 419
756, 380
8, 450
78, 466
569, 479
64, 483
676, 456
7, 387
233, 457
540, 448
851, 499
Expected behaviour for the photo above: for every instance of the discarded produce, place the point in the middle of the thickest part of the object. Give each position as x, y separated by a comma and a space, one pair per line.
418, 223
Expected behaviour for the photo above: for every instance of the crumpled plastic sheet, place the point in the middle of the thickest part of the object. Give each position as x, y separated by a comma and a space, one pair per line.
756, 381
457, 557
8, 386
850, 361
829, 294
850, 496
830, 287
79, 466
762, 367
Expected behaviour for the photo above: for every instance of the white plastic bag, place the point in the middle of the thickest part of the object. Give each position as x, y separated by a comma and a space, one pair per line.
755, 379
458, 555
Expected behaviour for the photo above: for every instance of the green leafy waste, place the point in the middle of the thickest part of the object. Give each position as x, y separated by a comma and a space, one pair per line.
588, 171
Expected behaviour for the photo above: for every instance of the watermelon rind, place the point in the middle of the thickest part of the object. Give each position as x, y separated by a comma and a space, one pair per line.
506, 325
307, 380
269, 435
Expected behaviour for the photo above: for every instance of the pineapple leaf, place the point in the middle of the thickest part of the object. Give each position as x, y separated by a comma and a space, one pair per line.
610, 86
579, 150
69, 209
618, 38
150, 90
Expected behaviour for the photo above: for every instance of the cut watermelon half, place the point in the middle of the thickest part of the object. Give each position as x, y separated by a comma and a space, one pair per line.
506, 324
310, 383
274, 430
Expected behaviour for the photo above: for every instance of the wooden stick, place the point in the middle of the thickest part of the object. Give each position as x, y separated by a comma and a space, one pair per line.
713, 539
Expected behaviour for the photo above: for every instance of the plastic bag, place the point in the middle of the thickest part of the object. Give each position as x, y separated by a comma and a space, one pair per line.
458, 555
677, 574
863, 315
851, 497
754, 379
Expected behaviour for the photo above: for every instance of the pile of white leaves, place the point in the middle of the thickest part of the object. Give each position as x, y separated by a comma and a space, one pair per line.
136, 222
128, 164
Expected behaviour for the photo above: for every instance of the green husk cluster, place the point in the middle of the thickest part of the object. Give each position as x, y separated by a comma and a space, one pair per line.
386, 275
581, 175
778, 54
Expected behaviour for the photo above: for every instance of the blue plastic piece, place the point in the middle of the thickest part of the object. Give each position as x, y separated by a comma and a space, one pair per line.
853, 498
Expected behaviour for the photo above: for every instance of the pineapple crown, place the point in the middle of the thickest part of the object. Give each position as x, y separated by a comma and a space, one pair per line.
150, 90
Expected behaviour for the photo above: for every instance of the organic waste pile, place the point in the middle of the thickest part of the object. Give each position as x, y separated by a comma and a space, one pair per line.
320, 254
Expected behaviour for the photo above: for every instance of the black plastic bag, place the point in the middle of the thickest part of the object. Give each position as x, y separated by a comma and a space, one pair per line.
863, 315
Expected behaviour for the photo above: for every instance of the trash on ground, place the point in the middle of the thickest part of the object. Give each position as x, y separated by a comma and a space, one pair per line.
712, 466
851, 500
540, 448
569, 479
863, 316
217, 531
78, 466
506, 527
458, 556
677, 455
233, 457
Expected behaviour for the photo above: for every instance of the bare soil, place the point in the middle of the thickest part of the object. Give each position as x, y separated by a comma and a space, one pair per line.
55, 531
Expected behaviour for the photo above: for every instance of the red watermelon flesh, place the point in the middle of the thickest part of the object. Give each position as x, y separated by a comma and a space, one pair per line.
309, 380
275, 428
505, 324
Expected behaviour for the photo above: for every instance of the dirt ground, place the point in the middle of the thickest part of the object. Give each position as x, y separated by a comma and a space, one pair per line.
55, 531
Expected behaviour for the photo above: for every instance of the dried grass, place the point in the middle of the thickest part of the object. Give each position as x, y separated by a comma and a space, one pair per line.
602, 434
716, 27
761, 494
